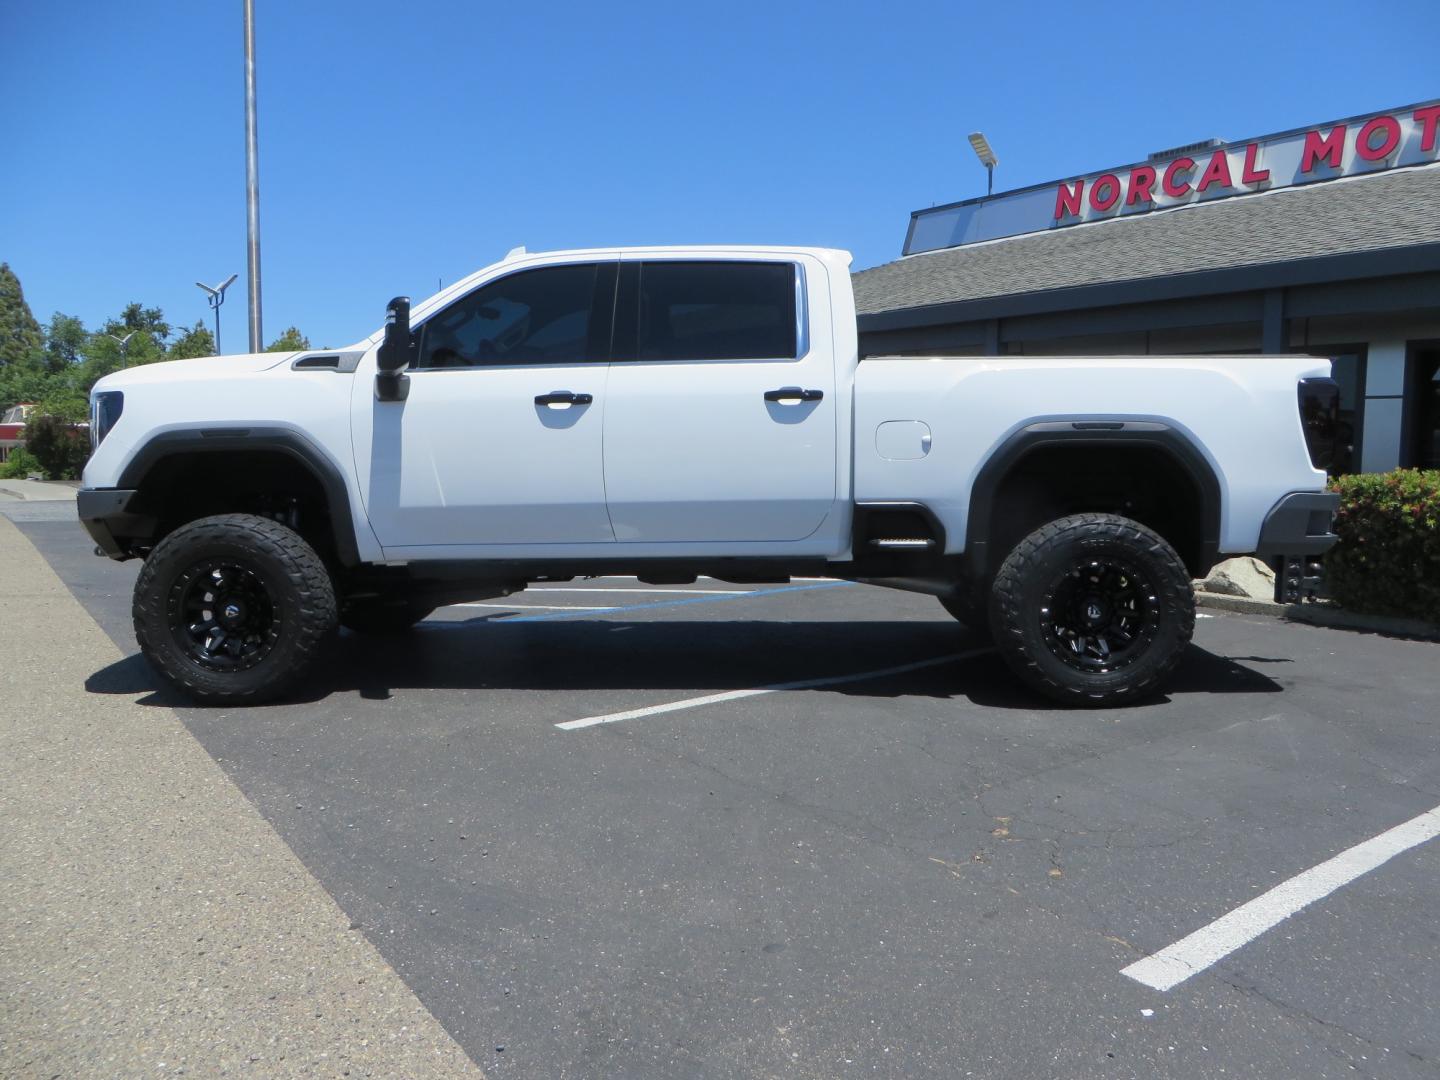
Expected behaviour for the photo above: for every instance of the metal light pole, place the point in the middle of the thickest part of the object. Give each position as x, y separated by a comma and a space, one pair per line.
216, 297
124, 343
252, 189
983, 152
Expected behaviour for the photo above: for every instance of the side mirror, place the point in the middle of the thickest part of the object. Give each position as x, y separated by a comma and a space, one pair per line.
393, 356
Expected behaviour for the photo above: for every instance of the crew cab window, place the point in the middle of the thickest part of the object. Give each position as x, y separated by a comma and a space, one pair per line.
534, 317
716, 311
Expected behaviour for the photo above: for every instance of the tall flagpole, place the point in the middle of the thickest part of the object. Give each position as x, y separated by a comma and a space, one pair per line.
252, 185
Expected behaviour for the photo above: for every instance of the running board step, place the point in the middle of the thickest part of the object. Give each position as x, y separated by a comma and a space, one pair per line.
902, 542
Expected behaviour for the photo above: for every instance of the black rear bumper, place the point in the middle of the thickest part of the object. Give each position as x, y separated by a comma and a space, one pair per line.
107, 516
1297, 531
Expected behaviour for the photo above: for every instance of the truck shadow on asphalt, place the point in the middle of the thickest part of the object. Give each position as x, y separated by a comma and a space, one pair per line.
686, 657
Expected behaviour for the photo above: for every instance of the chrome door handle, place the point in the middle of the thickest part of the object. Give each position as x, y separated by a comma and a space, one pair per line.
563, 399
793, 395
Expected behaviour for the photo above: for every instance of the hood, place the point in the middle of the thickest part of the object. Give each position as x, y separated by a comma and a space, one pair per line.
202, 367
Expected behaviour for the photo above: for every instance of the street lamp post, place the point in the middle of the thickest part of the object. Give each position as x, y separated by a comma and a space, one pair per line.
987, 158
252, 185
124, 343
216, 297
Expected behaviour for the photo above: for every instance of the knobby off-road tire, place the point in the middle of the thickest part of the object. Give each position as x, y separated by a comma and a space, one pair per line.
382, 618
233, 609
1093, 609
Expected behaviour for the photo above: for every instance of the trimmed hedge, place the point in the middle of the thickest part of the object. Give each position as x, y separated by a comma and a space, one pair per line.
1388, 559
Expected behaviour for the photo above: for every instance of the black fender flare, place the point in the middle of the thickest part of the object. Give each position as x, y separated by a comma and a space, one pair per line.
286, 441
1085, 432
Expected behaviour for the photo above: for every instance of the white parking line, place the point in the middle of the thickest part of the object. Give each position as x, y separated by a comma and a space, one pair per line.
537, 607
722, 592
702, 577
735, 695
1194, 953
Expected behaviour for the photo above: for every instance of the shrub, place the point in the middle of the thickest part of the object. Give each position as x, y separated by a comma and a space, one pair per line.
60, 446
19, 465
1388, 559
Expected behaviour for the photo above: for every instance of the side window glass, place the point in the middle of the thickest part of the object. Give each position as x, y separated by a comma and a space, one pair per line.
717, 311
533, 317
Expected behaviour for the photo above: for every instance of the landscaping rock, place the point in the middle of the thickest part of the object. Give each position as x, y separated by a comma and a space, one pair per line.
1245, 576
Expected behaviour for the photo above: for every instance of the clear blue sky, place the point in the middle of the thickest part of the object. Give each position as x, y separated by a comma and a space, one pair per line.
405, 143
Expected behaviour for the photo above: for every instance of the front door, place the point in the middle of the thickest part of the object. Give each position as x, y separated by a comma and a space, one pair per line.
499, 439
720, 421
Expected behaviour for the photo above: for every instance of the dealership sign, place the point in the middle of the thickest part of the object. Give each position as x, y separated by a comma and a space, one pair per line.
1200, 173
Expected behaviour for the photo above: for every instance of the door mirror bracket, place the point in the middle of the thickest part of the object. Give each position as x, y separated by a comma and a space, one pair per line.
395, 352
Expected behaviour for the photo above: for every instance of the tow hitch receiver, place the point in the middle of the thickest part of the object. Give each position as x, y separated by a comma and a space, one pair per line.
1297, 578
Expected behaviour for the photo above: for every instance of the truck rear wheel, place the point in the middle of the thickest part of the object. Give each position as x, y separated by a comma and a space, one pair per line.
233, 609
1093, 609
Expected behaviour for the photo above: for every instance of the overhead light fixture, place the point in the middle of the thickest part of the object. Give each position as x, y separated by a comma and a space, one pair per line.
987, 158
215, 296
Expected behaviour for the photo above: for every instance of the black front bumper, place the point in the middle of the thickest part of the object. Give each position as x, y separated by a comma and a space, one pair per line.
1297, 531
108, 517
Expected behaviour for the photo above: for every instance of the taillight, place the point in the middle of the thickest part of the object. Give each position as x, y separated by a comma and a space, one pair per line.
1320, 419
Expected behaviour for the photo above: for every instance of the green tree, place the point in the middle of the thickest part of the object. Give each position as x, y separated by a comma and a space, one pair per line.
26, 383
21, 341
59, 446
65, 337
149, 321
290, 341
102, 353
66, 401
193, 341
20, 465
146, 344
99, 357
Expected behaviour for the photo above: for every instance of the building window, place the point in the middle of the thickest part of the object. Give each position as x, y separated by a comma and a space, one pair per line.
1425, 406
1348, 371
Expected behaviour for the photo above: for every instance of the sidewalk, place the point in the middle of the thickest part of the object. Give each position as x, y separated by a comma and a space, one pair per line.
38, 490
1322, 614
152, 923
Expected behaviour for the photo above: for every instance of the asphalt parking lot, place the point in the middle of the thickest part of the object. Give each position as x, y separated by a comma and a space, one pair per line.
605, 829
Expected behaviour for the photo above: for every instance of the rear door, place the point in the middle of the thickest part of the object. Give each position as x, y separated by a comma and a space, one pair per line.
720, 419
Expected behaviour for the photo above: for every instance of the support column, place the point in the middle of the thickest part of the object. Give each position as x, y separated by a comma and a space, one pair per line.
1384, 406
992, 337
1274, 334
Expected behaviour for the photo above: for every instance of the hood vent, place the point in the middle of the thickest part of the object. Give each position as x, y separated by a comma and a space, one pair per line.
341, 361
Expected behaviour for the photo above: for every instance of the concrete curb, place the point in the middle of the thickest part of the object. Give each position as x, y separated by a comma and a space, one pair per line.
1321, 614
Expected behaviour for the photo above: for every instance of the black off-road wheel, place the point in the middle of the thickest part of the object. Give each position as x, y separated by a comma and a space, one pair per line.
380, 617
1093, 610
233, 609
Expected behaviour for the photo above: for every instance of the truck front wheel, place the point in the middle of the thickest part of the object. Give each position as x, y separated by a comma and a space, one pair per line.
233, 609
1093, 609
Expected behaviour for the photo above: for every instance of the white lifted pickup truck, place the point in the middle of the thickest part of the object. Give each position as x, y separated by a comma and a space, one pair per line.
674, 412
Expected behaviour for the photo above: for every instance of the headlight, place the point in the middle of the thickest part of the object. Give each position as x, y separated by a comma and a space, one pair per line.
105, 409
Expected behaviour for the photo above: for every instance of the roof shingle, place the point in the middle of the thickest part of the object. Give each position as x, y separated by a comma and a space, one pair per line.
1393, 209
